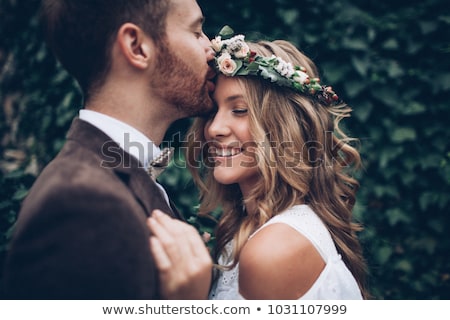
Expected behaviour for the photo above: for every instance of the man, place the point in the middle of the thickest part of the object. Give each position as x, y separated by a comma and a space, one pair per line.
81, 232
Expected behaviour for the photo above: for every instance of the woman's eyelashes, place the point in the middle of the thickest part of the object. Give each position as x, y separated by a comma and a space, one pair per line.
240, 111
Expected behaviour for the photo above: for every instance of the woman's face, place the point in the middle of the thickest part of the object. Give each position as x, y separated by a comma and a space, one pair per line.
229, 138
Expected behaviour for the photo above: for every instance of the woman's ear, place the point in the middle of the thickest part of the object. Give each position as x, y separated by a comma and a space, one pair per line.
135, 46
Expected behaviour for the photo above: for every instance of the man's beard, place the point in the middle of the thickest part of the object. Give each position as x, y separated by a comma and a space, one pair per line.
180, 85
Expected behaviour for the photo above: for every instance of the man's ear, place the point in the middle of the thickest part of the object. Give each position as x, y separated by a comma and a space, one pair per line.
136, 47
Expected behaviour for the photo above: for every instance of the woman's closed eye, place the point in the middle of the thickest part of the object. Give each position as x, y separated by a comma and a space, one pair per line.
240, 111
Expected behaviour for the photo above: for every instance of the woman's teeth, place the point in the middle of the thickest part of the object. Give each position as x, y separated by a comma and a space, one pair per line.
227, 152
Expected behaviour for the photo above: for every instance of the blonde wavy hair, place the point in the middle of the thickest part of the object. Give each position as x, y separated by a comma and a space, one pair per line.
303, 157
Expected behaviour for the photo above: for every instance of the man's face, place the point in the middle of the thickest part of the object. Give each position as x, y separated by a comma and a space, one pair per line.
182, 74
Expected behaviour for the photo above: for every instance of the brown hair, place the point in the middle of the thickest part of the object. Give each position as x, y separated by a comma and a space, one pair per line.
305, 157
81, 32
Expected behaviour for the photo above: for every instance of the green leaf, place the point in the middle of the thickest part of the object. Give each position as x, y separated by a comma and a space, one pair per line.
404, 265
226, 32
20, 194
394, 70
428, 27
430, 161
388, 154
334, 72
396, 216
436, 225
414, 107
383, 254
387, 94
289, 16
426, 200
403, 134
443, 81
311, 38
353, 88
361, 65
355, 44
363, 110
391, 44
428, 244
238, 70
382, 191
253, 67
408, 178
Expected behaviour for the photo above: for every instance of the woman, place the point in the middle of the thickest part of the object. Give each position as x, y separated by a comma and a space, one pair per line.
278, 165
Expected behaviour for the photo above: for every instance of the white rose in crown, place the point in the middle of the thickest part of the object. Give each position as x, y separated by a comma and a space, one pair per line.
301, 77
226, 64
217, 43
242, 52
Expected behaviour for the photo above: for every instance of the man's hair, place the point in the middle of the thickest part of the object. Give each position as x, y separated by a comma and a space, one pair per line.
81, 32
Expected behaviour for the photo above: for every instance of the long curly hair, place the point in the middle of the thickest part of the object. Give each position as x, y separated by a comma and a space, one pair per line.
302, 155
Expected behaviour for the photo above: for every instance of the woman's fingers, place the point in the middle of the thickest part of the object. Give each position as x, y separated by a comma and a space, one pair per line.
162, 261
167, 230
181, 256
177, 237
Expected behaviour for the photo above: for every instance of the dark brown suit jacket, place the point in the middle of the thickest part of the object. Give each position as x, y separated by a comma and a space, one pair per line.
81, 232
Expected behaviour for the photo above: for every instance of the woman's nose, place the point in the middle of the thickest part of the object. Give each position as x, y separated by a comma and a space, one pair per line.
217, 127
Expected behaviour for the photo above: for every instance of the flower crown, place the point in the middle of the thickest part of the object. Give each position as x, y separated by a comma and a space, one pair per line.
234, 58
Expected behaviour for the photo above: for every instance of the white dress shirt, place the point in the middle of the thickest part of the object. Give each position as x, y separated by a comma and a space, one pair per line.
128, 138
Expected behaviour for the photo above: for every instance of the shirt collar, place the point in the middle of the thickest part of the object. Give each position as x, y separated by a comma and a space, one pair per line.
128, 138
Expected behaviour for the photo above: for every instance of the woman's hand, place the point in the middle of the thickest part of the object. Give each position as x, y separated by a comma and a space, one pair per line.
183, 260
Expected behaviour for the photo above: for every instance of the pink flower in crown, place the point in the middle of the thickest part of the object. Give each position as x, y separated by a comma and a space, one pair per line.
226, 64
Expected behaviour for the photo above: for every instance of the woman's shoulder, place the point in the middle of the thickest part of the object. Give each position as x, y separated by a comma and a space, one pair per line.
278, 262
305, 221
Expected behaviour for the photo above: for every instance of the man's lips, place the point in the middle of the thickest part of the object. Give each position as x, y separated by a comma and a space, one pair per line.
210, 79
211, 86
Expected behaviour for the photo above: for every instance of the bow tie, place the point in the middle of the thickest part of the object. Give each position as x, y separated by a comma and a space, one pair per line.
160, 163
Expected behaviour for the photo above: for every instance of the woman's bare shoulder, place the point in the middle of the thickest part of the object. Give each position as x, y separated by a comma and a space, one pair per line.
278, 262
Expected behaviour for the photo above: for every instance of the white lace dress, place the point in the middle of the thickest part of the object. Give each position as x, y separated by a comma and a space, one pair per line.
334, 283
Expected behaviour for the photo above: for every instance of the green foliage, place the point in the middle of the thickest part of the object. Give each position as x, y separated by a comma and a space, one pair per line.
388, 59
14, 188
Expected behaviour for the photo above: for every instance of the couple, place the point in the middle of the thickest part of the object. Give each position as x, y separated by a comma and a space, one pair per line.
286, 197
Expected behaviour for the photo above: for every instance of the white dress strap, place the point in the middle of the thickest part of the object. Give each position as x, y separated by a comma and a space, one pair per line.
306, 222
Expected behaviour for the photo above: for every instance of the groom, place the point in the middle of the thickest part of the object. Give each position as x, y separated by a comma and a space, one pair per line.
81, 232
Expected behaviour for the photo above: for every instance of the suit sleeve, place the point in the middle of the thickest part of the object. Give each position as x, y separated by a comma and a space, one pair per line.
82, 244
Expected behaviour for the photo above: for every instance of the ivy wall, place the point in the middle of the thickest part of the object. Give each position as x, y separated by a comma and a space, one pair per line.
390, 60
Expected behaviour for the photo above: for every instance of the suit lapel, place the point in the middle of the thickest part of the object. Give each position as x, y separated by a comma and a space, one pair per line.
144, 189
126, 167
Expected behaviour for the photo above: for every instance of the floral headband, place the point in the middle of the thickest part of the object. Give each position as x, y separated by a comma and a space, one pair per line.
234, 58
